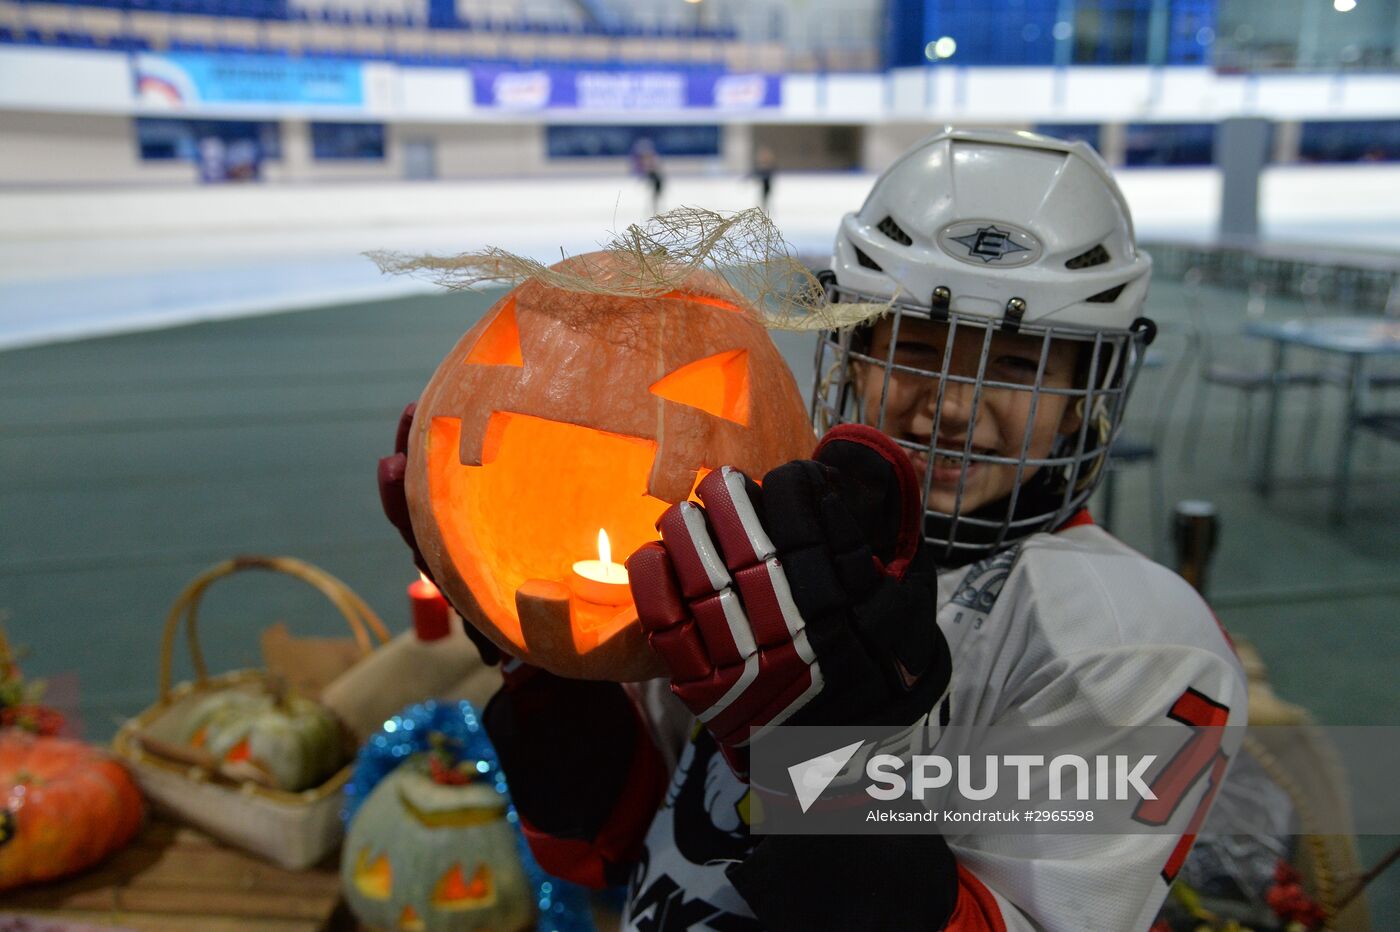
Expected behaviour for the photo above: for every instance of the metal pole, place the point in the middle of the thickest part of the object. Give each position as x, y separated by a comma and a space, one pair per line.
1264, 469
1064, 40
1158, 24
1356, 389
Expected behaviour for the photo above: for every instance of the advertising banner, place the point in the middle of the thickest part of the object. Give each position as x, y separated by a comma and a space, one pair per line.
190, 80
180, 80
621, 91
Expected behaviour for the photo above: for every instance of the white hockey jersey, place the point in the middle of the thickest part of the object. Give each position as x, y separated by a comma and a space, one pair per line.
1066, 627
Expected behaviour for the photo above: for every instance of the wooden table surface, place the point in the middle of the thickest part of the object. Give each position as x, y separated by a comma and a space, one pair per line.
177, 878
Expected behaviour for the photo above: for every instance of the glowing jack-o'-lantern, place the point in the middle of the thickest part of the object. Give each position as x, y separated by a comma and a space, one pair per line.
562, 413
424, 855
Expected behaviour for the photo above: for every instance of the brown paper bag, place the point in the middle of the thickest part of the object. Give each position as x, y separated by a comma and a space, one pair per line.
306, 665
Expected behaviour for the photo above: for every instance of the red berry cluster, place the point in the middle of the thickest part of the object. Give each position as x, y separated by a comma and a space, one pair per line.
36, 718
1290, 902
19, 706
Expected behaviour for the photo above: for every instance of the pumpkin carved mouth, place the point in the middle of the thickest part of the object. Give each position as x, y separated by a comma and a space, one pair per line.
514, 525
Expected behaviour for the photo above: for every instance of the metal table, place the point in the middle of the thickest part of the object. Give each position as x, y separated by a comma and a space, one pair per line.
1359, 339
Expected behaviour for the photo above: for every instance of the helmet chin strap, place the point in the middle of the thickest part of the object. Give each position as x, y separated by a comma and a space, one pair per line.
1041, 495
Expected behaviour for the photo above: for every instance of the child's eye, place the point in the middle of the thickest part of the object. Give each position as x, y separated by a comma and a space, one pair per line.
1018, 368
924, 355
1020, 362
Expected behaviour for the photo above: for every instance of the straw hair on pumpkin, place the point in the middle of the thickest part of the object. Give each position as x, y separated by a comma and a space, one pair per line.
689, 249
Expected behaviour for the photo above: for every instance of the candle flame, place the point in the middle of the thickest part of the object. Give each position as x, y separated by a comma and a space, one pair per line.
604, 548
424, 577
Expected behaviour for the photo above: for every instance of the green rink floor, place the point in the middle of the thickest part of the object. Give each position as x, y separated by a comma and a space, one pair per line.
130, 463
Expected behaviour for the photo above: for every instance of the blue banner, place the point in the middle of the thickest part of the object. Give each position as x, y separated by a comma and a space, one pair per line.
185, 79
182, 80
591, 140
621, 91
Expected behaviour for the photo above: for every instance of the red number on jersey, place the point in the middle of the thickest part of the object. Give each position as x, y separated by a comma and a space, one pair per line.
1200, 754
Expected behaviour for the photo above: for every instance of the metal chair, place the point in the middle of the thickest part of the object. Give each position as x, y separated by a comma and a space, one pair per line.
1249, 379
1389, 378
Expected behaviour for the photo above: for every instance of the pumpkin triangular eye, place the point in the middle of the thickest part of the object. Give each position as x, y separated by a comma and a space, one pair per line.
454, 891
500, 344
717, 384
703, 299
373, 876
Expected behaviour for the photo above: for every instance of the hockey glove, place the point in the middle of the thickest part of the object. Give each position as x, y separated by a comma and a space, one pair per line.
804, 601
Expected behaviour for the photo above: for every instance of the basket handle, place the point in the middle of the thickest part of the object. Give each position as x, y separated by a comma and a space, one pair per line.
358, 615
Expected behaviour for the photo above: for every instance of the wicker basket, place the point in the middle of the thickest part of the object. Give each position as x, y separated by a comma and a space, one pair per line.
295, 830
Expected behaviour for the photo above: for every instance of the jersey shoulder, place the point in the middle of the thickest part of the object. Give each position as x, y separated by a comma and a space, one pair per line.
1083, 589
1103, 633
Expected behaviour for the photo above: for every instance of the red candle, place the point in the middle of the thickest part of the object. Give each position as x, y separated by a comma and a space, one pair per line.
430, 619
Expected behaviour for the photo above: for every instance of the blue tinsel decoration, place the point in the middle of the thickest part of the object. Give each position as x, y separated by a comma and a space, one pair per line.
563, 906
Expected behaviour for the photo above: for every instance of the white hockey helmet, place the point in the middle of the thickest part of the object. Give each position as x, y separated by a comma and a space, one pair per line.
995, 231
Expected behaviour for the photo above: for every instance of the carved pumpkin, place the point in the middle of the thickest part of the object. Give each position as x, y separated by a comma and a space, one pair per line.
282, 741
64, 806
563, 413
436, 856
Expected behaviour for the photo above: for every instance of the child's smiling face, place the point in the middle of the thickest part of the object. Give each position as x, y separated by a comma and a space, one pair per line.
1003, 413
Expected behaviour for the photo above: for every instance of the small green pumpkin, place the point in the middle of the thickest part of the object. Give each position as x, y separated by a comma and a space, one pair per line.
280, 740
433, 855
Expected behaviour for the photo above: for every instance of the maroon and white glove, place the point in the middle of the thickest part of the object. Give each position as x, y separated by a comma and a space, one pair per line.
805, 601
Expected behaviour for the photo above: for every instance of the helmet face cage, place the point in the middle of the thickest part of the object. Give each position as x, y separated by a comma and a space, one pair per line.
1109, 361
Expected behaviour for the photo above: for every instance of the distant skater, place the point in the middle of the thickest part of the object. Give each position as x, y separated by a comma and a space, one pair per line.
646, 164
765, 166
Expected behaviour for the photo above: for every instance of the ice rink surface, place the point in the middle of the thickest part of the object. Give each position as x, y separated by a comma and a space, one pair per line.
83, 262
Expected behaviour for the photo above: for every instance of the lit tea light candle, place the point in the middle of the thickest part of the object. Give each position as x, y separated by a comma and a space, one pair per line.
430, 616
601, 581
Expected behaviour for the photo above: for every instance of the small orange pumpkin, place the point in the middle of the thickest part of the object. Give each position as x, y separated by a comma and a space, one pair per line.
64, 806
562, 413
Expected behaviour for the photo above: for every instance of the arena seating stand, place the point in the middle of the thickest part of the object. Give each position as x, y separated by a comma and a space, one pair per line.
532, 33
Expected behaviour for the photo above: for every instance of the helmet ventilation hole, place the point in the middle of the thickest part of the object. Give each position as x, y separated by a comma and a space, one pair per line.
893, 231
866, 261
1088, 259
1107, 297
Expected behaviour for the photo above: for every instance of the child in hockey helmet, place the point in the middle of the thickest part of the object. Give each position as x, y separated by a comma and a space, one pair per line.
1014, 333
